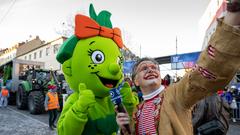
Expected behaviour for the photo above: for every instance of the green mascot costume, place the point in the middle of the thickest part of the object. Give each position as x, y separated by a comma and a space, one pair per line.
92, 65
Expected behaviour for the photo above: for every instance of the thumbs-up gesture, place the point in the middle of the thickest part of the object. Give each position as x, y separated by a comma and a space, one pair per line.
85, 100
126, 91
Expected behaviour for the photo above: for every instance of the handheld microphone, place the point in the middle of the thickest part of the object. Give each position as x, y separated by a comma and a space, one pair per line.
116, 98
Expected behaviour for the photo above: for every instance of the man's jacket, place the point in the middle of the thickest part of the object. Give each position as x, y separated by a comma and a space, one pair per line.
215, 68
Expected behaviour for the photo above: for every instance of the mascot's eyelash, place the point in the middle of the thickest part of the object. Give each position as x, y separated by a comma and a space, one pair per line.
90, 51
121, 58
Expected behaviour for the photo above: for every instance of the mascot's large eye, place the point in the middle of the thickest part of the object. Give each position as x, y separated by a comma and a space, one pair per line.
97, 57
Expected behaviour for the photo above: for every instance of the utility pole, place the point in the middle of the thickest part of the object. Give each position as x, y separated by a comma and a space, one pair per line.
140, 51
176, 55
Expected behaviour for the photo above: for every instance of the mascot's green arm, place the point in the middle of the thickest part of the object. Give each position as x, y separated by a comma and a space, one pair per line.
70, 122
130, 100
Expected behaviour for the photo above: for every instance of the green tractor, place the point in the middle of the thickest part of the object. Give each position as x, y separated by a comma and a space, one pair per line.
32, 89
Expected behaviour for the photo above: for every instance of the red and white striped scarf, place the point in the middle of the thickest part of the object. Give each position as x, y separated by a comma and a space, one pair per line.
146, 119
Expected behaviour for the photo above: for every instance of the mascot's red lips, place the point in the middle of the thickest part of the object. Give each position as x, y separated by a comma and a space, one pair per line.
109, 83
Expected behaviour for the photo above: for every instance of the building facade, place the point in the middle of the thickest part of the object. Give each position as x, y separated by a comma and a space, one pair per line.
39, 51
208, 21
7, 55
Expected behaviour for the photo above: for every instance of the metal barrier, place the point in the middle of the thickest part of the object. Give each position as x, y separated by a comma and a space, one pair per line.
236, 112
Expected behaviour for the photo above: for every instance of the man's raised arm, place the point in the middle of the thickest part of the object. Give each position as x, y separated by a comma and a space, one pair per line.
217, 64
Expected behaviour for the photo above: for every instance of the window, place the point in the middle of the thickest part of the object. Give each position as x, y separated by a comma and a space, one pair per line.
40, 54
25, 57
30, 57
55, 48
47, 51
35, 55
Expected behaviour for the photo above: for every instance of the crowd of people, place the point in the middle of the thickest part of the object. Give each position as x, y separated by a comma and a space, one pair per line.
231, 95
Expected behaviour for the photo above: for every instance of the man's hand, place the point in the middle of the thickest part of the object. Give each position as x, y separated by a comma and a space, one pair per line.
86, 99
122, 119
232, 18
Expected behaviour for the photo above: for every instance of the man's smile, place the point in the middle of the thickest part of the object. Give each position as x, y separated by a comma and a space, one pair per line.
150, 76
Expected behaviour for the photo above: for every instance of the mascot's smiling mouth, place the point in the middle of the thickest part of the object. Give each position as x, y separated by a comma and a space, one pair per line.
108, 82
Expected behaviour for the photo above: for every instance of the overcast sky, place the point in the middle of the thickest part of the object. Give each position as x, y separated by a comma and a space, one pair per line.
153, 24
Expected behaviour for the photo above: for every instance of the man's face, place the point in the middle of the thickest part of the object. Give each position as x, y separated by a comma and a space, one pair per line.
148, 75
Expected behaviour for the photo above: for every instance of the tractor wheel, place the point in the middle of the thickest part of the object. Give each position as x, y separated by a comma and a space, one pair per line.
21, 98
36, 102
12, 98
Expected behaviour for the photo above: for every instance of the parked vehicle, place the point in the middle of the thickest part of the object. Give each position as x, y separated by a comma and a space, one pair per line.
33, 88
27, 82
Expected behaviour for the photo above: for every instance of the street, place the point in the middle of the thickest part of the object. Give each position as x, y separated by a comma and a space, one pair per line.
234, 128
21, 122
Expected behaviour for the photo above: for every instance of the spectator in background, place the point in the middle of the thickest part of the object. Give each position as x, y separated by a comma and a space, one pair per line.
211, 115
166, 80
4, 97
237, 94
127, 79
66, 87
234, 91
229, 96
1, 83
51, 105
233, 104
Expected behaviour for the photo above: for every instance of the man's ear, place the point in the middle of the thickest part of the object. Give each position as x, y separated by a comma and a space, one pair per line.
67, 68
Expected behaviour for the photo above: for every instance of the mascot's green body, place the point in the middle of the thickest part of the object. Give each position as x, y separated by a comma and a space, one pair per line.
92, 65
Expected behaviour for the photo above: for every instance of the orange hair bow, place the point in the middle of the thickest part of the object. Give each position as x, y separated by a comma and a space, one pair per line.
86, 27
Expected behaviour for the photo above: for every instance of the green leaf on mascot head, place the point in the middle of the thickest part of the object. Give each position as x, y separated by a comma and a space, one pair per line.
103, 18
66, 50
92, 12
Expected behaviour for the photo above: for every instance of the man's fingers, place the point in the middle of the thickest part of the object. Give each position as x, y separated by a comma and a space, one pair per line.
119, 115
124, 123
115, 108
123, 118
